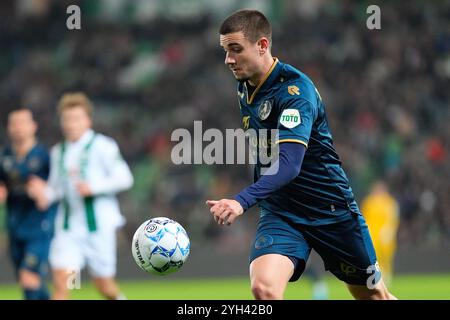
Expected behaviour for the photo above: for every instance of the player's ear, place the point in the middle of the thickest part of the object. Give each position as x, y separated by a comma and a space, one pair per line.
34, 127
263, 45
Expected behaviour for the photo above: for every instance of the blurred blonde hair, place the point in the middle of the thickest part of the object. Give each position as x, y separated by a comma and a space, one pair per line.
75, 99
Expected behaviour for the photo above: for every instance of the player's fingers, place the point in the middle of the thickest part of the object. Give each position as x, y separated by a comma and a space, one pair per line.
231, 219
213, 209
218, 209
225, 213
219, 219
216, 215
211, 203
223, 217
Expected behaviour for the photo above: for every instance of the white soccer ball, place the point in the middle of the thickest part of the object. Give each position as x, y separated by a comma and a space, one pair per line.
160, 246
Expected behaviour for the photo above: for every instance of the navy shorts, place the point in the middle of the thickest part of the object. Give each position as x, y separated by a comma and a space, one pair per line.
30, 255
345, 247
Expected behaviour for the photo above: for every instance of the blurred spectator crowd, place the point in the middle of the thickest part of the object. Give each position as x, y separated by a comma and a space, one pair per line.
154, 66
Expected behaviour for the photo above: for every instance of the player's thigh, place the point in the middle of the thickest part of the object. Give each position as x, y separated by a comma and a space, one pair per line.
101, 254
271, 271
66, 252
277, 236
346, 249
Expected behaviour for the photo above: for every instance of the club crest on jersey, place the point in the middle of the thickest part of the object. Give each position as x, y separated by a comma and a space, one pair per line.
8, 163
264, 110
34, 163
290, 118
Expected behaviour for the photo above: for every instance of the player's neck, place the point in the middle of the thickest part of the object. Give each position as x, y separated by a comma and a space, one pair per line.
268, 61
21, 148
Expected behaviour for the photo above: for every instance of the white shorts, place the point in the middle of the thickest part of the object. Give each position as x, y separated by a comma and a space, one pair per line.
73, 252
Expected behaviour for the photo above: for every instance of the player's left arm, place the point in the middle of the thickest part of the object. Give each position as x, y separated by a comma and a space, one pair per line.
118, 175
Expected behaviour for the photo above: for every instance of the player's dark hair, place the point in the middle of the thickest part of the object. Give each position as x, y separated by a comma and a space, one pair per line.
252, 23
17, 109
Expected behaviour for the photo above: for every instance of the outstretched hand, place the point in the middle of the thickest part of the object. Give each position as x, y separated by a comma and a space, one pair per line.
225, 211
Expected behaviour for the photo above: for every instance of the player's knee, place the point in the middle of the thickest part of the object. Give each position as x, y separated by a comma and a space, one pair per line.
263, 290
379, 293
29, 280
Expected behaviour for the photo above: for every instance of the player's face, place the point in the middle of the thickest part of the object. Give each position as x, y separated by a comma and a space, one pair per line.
21, 126
75, 122
242, 56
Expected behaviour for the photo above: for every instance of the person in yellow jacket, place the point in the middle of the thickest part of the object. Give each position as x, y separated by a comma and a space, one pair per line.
381, 212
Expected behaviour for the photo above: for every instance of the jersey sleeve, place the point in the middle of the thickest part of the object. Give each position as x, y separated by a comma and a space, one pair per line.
279, 174
118, 174
297, 115
54, 190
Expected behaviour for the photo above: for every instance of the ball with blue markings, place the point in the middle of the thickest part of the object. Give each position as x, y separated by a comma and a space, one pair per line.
160, 246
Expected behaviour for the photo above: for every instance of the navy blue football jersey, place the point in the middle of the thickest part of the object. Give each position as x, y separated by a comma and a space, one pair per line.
287, 100
24, 220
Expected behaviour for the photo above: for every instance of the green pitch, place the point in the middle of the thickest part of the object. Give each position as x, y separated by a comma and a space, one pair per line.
404, 287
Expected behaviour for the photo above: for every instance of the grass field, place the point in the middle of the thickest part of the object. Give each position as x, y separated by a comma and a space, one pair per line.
404, 287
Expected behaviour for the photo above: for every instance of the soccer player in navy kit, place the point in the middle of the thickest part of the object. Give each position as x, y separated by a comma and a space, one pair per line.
29, 229
306, 202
